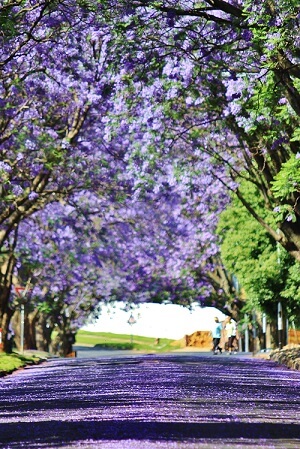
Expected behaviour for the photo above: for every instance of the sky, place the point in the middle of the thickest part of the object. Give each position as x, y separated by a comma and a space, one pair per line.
155, 320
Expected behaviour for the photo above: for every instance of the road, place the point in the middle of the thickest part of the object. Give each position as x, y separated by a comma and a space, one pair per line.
172, 401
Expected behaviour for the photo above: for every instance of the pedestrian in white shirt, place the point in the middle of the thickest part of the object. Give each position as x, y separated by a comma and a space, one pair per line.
230, 329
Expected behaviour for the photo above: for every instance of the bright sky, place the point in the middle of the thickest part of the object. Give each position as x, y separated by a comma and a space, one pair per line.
155, 320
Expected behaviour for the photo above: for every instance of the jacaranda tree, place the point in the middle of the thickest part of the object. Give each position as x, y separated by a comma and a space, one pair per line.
222, 78
96, 250
54, 92
156, 103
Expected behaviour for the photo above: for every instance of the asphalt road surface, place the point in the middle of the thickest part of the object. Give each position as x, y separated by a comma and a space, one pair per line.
173, 401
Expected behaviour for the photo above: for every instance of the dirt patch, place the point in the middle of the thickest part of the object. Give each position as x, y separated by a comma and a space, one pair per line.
198, 340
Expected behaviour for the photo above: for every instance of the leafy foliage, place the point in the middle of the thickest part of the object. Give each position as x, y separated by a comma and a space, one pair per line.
266, 273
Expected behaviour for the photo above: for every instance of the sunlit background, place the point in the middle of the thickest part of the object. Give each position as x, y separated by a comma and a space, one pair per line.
155, 320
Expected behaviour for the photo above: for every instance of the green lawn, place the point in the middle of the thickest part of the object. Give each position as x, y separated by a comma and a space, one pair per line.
14, 361
107, 340
11, 362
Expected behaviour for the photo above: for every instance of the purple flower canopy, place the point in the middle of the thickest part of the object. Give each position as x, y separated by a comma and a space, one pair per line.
113, 181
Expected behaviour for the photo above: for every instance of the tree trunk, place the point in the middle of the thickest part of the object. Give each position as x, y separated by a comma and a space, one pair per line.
5, 322
43, 333
16, 325
6, 275
291, 242
230, 301
30, 329
63, 343
67, 341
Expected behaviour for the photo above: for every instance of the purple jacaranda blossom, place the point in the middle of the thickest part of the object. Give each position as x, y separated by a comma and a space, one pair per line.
5, 167
17, 190
33, 195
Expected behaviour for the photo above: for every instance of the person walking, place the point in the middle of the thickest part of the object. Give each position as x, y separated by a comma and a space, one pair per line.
231, 330
216, 336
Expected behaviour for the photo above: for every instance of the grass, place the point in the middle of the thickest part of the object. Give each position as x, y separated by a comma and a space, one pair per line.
106, 340
14, 361
99, 340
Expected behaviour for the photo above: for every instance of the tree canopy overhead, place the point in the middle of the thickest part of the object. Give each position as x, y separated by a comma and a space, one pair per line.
156, 112
221, 78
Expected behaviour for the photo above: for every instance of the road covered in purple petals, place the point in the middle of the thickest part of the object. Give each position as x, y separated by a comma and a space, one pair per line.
174, 401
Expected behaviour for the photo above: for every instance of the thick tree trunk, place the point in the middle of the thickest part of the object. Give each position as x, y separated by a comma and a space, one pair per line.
36, 333
16, 326
6, 275
30, 329
63, 343
30, 320
43, 333
5, 322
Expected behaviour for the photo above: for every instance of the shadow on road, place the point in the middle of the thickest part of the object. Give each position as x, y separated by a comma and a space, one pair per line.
50, 432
